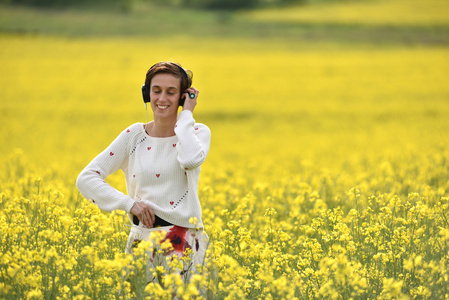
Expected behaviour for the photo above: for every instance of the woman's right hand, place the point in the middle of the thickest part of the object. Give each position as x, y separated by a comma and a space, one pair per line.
190, 103
144, 213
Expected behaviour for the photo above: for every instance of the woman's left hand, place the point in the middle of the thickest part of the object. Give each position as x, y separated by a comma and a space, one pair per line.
189, 103
144, 213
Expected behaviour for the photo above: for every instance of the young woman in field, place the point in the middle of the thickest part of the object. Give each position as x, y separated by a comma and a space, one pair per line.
161, 161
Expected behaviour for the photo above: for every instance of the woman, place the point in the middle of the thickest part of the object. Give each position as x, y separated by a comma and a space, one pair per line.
161, 161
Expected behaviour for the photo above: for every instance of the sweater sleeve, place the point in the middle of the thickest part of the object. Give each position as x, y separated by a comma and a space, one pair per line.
91, 181
193, 141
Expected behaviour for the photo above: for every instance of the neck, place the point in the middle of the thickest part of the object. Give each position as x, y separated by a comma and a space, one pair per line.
162, 127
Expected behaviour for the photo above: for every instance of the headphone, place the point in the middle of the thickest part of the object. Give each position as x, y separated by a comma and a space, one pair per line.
146, 89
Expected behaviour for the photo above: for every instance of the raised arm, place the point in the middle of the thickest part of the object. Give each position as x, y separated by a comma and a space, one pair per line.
193, 141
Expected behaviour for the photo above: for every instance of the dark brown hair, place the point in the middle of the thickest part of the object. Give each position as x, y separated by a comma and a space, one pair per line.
168, 67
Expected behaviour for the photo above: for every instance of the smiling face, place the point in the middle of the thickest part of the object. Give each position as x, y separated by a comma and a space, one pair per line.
165, 91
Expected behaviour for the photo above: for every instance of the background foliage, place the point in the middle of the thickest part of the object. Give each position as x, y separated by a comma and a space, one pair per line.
128, 4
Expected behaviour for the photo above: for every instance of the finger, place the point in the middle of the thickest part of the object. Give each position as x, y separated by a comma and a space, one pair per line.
147, 216
152, 216
148, 223
194, 91
137, 211
142, 217
190, 95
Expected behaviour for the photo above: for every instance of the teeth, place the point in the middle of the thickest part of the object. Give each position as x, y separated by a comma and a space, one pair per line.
162, 106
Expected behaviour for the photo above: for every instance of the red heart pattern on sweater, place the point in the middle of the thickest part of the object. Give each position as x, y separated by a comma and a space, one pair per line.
171, 202
128, 130
111, 153
174, 145
157, 175
149, 148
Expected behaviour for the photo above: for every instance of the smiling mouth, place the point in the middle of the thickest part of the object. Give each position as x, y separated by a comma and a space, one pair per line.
162, 106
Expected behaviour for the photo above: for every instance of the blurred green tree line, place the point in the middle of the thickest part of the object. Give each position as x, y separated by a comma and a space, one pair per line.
201, 4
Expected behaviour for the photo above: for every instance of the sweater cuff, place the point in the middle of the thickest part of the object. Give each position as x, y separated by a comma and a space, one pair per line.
185, 114
129, 204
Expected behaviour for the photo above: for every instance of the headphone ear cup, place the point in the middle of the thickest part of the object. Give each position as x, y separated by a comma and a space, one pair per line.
145, 93
182, 100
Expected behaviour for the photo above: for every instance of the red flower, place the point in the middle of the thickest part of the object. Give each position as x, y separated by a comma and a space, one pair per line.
177, 237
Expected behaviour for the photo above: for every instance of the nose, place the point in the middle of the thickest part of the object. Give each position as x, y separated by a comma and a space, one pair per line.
163, 96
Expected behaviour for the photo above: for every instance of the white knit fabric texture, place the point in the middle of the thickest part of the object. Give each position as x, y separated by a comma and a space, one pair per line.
163, 172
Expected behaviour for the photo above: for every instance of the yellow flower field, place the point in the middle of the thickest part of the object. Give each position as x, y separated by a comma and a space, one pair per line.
328, 175
378, 12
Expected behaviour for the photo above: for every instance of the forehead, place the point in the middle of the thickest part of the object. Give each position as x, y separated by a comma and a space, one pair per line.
165, 80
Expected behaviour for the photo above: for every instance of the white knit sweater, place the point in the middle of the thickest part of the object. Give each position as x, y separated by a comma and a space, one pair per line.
163, 172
